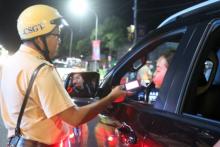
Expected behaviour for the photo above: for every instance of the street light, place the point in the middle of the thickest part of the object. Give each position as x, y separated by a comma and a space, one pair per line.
71, 42
96, 37
96, 27
96, 24
79, 7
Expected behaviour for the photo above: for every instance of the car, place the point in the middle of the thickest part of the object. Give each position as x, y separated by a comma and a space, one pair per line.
184, 111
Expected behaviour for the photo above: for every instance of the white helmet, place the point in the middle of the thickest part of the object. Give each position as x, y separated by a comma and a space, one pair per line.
38, 20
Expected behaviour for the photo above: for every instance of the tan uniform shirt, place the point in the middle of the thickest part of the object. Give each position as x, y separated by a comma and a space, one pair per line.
47, 98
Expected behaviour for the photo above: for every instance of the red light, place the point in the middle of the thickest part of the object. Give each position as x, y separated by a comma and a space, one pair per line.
119, 99
124, 139
71, 135
110, 138
61, 144
69, 89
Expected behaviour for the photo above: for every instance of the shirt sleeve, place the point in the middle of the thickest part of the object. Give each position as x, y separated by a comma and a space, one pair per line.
51, 92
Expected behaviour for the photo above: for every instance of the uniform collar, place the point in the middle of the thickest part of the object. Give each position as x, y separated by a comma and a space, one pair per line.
29, 50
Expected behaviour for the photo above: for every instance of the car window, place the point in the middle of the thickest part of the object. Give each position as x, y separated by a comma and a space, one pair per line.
152, 71
203, 95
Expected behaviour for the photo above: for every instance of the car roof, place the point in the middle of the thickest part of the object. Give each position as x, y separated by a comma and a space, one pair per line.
193, 11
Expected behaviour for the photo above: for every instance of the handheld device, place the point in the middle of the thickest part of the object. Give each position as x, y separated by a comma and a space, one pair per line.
132, 85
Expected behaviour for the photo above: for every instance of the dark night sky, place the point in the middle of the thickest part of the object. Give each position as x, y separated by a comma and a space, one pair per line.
10, 9
153, 10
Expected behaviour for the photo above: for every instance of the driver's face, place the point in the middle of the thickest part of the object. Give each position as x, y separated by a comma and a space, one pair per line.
160, 72
78, 80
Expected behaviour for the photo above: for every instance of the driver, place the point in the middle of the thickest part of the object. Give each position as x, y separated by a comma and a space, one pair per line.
162, 65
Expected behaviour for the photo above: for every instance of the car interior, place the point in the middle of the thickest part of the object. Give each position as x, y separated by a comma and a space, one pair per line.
209, 93
146, 93
205, 101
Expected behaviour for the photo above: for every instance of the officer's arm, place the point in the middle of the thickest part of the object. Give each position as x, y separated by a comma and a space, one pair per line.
78, 115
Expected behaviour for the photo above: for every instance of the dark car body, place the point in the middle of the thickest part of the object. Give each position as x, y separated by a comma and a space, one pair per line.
189, 110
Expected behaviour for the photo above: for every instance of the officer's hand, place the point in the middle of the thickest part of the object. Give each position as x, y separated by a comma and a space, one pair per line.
119, 91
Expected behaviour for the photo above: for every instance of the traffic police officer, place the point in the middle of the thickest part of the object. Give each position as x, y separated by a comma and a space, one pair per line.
49, 108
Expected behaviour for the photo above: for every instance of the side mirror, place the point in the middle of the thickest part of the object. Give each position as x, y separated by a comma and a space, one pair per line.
82, 84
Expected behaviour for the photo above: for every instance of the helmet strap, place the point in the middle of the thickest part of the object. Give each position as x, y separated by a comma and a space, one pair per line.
45, 52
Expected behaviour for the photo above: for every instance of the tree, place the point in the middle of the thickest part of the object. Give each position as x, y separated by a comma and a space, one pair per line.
83, 47
112, 34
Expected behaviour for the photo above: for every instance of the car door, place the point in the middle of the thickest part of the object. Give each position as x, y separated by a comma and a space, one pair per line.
200, 101
166, 124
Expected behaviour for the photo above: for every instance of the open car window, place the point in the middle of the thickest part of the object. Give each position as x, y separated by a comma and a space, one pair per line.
152, 71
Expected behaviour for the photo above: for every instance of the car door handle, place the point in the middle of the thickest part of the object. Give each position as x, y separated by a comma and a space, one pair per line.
205, 134
126, 135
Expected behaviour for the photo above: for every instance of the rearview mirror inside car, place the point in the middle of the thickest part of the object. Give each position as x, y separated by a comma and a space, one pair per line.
137, 64
82, 84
